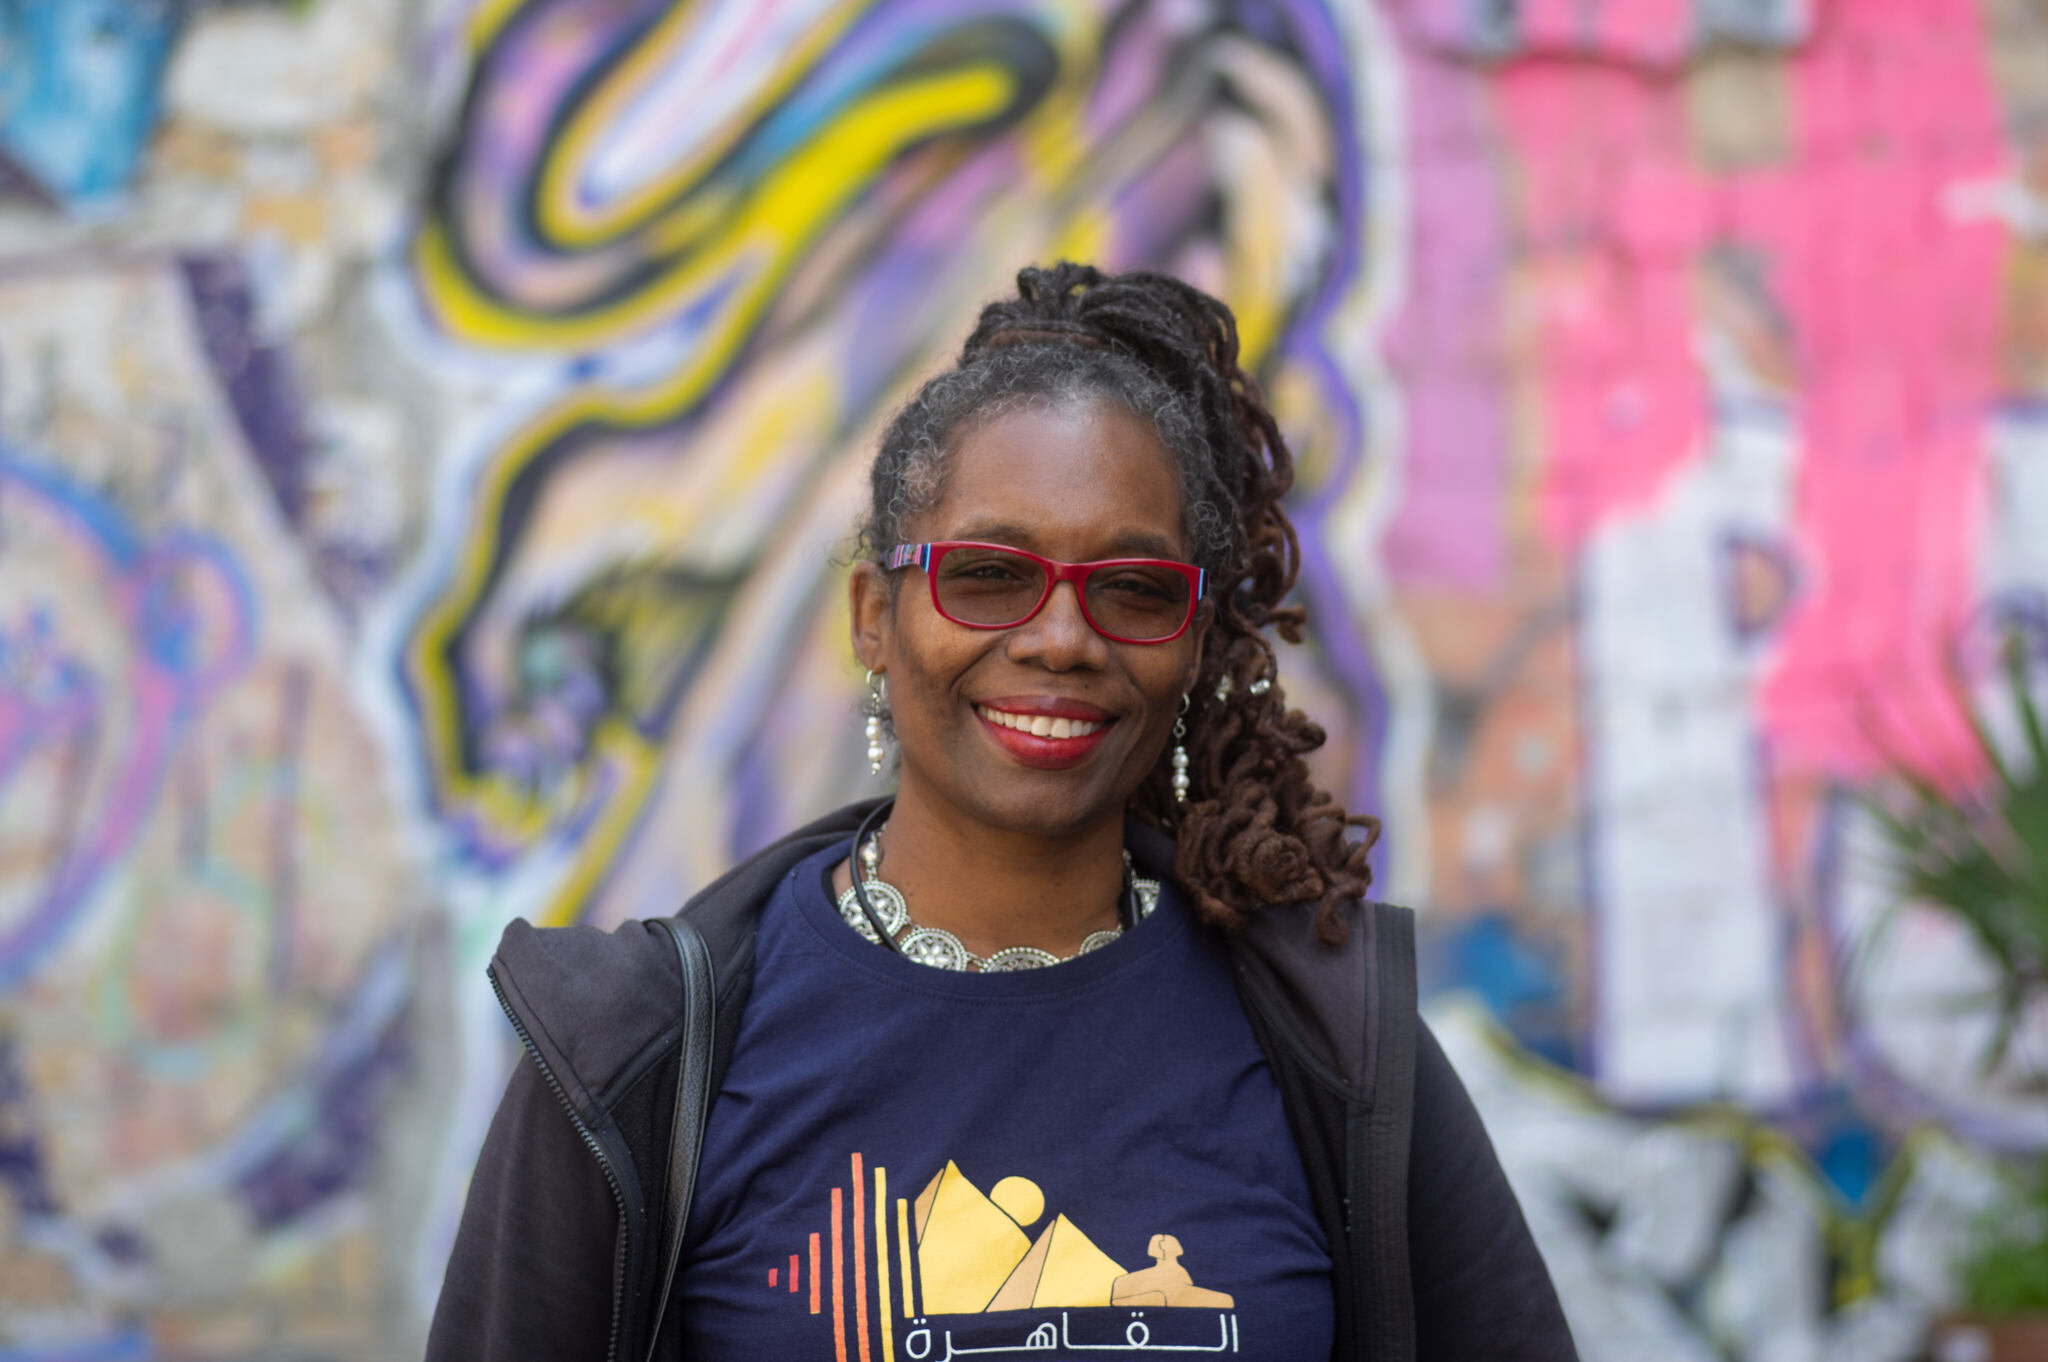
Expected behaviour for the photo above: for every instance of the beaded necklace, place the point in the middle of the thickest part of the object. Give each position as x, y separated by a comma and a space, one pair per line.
941, 949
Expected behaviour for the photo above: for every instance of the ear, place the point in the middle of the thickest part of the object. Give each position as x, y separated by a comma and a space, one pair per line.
871, 608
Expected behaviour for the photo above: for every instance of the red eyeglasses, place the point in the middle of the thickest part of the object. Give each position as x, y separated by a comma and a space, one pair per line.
993, 586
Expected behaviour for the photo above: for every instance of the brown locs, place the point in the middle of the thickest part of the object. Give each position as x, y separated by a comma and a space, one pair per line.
1256, 830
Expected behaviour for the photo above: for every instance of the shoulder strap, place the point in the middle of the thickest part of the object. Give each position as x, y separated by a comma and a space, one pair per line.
693, 1104
1389, 1327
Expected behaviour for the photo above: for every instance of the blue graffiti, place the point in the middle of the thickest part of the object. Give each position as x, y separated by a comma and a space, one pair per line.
80, 84
129, 1344
1522, 980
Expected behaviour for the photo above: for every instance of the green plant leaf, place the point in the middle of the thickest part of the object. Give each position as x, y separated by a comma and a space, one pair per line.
1979, 856
2005, 1271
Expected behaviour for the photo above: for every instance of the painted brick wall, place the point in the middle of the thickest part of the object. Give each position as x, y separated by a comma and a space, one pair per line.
427, 431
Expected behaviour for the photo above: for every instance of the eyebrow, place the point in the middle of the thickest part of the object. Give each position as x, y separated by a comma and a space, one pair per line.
1128, 544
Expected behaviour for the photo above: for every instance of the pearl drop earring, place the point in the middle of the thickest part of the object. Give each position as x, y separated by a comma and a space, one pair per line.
1181, 783
878, 698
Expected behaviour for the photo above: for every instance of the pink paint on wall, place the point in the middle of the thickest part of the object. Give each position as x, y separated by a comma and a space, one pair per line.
1553, 23
1449, 529
1613, 217
1437, 23
1654, 31
1893, 300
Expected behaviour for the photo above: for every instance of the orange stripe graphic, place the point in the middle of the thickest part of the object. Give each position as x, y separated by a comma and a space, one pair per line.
838, 1279
792, 1271
860, 1259
814, 1274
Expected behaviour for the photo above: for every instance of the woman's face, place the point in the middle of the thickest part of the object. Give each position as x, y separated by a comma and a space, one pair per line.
1074, 482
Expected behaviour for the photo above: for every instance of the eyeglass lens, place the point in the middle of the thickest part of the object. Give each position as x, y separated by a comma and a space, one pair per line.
993, 588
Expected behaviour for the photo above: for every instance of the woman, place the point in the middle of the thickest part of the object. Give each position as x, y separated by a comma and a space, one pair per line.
1087, 1040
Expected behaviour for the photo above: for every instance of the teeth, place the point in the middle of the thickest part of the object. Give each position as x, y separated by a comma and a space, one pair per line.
1038, 725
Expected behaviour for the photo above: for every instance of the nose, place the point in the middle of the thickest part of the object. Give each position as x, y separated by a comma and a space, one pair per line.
1059, 637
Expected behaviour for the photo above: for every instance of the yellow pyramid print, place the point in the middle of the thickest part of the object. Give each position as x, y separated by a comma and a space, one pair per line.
966, 1246
1063, 1269
1016, 1293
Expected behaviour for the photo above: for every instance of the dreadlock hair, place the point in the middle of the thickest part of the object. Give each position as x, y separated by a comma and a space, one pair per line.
1256, 830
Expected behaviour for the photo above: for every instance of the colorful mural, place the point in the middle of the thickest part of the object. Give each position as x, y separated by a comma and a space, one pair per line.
429, 435
726, 326
204, 968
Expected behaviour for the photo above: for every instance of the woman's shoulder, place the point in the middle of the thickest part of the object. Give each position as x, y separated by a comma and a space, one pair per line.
588, 1001
1339, 998
595, 1004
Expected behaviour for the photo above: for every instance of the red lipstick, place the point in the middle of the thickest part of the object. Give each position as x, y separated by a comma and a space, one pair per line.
1045, 752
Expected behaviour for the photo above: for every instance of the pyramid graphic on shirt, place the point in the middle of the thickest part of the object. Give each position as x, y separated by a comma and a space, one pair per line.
879, 1264
973, 1255
966, 1244
1063, 1269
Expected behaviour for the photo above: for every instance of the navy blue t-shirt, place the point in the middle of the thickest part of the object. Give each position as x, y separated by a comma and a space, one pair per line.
908, 1164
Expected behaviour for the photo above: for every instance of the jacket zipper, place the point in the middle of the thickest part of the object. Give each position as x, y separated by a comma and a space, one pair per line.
611, 1178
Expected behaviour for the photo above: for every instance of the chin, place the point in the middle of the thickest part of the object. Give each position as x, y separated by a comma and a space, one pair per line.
1046, 804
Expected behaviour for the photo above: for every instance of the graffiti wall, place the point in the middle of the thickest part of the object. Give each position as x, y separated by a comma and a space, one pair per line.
429, 435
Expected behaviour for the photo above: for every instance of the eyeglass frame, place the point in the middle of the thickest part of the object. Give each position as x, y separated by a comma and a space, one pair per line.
927, 556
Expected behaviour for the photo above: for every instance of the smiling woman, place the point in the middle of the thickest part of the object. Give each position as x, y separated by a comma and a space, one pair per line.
1083, 480
1107, 941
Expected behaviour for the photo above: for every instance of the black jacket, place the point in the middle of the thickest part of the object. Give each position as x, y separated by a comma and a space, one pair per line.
1431, 1256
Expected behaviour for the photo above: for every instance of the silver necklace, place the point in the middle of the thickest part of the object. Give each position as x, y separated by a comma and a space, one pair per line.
941, 949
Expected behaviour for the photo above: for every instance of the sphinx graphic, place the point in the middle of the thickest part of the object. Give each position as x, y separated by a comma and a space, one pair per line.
1166, 1282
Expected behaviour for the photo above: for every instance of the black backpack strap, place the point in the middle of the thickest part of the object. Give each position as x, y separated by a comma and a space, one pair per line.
693, 1105
1389, 1329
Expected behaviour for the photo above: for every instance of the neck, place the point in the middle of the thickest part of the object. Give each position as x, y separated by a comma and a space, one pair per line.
999, 887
